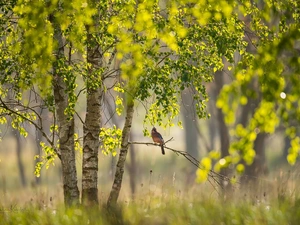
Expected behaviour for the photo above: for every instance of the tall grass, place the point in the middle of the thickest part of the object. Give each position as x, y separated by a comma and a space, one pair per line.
151, 209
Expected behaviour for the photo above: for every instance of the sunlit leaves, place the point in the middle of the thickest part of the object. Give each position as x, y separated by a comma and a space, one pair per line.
18, 118
294, 151
73, 16
118, 88
119, 105
53, 128
163, 115
3, 120
205, 167
35, 22
77, 143
265, 118
110, 140
34, 19
204, 10
119, 100
240, 168
47, 159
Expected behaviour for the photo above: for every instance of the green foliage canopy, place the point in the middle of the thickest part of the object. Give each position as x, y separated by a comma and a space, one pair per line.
160, 48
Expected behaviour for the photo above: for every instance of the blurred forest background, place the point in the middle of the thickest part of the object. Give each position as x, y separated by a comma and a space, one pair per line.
146, 169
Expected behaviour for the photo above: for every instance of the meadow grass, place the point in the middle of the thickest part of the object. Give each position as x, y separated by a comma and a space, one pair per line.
155, 209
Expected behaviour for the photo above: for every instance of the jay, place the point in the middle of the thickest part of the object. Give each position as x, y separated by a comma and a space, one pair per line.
157, 138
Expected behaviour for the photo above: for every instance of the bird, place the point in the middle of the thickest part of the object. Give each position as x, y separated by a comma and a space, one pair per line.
157, 138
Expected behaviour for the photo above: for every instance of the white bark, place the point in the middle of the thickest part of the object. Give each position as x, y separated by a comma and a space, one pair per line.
91, 145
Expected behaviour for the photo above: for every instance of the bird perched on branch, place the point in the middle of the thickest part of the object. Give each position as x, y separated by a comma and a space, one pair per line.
157, 138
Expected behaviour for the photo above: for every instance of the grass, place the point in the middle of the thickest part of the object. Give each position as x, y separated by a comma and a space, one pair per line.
157, 209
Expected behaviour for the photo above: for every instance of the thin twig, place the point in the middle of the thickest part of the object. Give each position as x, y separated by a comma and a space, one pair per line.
169, 140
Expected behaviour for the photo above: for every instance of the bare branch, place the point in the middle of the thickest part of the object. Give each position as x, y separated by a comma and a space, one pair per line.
40, 128
80, 91
214, 176
81, 120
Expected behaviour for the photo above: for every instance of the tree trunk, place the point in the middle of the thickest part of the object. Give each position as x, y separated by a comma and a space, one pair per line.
259, 164
258, 167
65, 128
17, 135
192, 132
91, 145
66, 142
38, 139
223, 130
92, 125
191, 124
116, 187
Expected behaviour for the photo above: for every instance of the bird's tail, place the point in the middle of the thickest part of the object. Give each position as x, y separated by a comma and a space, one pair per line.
162, 149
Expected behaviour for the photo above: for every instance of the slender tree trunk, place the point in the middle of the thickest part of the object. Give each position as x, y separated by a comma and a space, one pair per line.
38, 152
191, 124
223, 130
212, 123
258, 167
38, 139
116, 187
17, 135
66, 142
65, 128
192, 132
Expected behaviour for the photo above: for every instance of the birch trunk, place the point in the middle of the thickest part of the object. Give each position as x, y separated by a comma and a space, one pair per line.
66, 142
91, 145
92, 125
65, 129
116, 187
